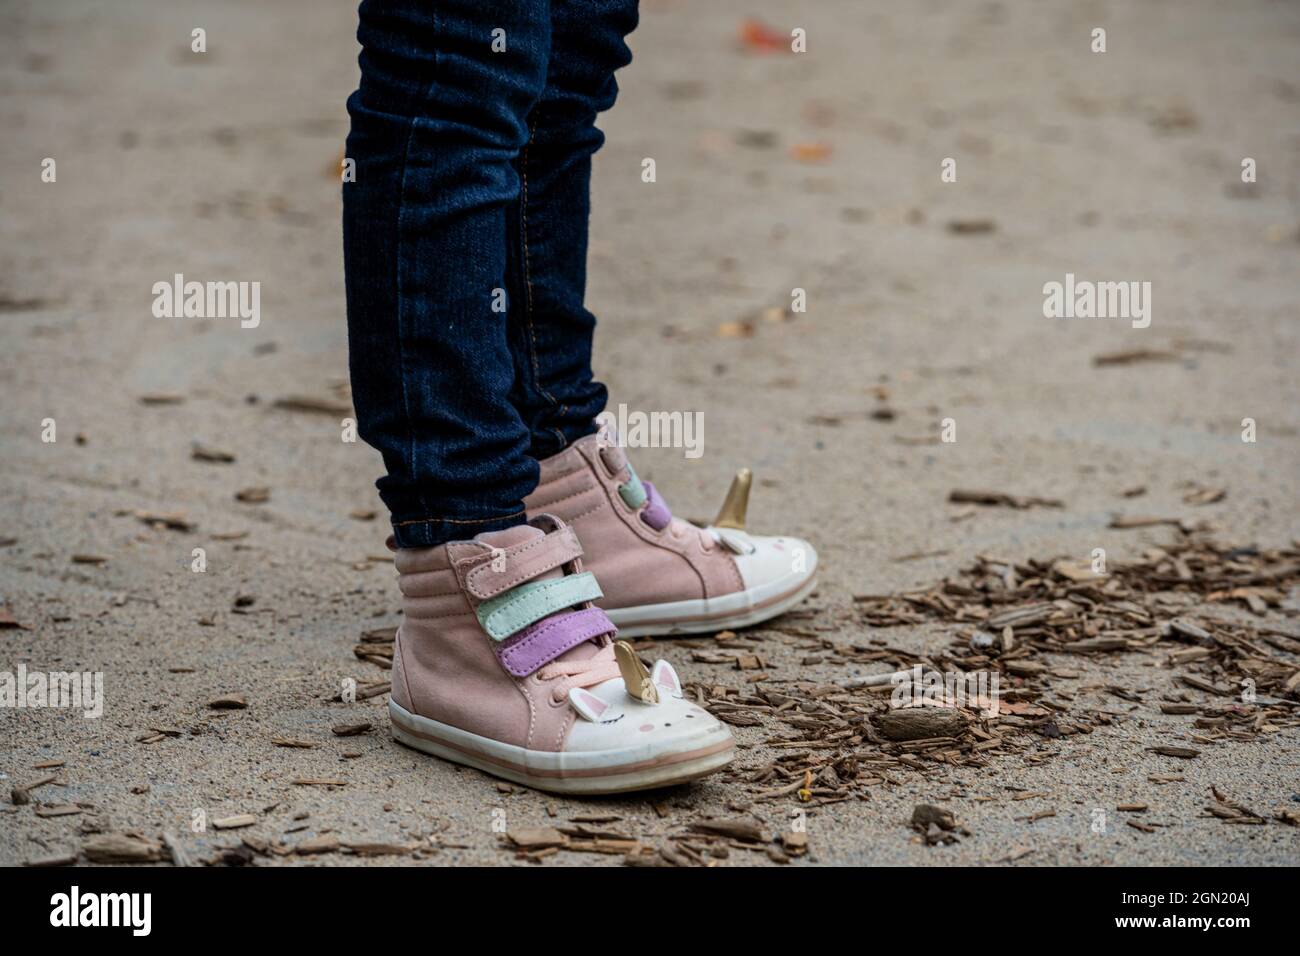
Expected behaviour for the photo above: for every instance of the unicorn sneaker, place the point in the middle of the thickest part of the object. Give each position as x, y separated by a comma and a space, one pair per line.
504, 663
660, 574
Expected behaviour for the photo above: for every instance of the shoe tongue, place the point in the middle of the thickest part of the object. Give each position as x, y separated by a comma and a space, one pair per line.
519, 534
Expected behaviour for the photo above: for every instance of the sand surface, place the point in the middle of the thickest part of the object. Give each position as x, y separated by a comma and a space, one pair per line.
1116, 166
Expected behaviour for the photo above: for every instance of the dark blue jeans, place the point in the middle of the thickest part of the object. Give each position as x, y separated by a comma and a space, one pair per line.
465, 246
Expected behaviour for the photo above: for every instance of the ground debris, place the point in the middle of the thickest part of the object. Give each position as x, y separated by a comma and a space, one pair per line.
169, 520
988, 497
1229, 810
1016, 610
350, 730
1133, 357
229, 702
312, 406
744, 830
324, 843
918, 723
122, 848
936, 825
211, 454
235, 822
536, 838
971, 227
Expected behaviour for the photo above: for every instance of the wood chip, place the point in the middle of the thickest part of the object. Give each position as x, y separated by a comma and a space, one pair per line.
311, 406
987, 497
229, 702
811, 152
736, 330
743, 830
350, 730
180, 856
1183, 753
1205, 496
535, 838
172, 521
1017, 854
795, 844
326, 843
379, 849
1139, 521
1133, 356
122, 848
925, 815
202, 452
236, 822
917, 723
971, 227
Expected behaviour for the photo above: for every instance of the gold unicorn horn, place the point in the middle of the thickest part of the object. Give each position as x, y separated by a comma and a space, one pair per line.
736, 504
635, 676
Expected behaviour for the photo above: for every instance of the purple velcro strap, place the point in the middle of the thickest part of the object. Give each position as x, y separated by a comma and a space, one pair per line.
655, 513
546, 640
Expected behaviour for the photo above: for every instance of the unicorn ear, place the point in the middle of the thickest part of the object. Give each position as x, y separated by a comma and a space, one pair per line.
664, 676
591, 707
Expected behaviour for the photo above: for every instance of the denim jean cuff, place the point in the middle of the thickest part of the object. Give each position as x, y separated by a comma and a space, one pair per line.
430, 532
552, 438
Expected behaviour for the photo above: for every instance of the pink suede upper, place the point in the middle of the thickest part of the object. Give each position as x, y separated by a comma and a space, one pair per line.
445, 666
634, 562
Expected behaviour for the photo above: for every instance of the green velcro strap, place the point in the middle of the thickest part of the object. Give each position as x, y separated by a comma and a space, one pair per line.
531, 601
632, 491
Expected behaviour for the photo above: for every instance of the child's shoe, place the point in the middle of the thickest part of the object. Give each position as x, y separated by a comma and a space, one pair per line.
503, 663
660, 574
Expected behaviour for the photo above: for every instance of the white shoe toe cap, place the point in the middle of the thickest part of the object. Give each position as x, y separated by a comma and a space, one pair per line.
775, 564
674, 724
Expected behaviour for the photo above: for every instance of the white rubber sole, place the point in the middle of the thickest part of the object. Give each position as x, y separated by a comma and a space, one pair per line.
641, 767
741, 609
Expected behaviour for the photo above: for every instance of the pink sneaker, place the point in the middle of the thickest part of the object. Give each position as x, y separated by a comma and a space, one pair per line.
503, 663
660, 574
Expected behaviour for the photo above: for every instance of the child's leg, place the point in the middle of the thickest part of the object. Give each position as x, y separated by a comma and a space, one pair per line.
501, 661
658, 574
437, 124
551, 330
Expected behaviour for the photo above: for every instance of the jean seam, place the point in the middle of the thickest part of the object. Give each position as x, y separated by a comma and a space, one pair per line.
401, 312
528, 273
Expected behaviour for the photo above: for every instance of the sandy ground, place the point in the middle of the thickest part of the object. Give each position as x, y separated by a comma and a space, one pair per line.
1115, 166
